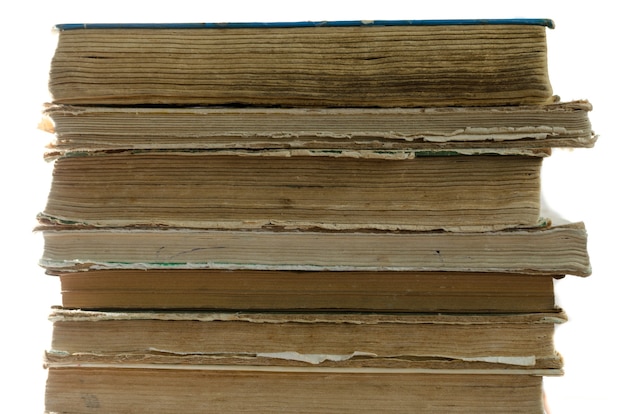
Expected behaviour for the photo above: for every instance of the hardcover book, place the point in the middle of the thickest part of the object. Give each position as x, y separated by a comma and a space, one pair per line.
351, 63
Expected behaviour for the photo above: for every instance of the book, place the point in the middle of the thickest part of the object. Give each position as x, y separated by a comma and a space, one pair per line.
243, 190
307, 291
86, 129
488, 343
555, 250
115, 361
169, 389
408, 63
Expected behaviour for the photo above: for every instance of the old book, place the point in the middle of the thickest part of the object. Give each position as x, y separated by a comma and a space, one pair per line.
105, 361
555, 250
488, 343
170, 389
348, 63
243, 190
464, 129
248, 290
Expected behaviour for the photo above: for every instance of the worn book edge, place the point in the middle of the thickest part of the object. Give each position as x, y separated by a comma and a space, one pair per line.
549, 23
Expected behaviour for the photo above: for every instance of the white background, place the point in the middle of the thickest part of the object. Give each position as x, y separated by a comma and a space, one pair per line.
586, 52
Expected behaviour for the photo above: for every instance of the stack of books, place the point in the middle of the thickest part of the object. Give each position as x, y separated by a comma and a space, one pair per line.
305, 217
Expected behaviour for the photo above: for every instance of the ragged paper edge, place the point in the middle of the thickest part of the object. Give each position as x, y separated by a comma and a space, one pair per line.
268, 224
562, 136
576, 229
67, 266
558, 316
311, 369
316, 359
378, 154
319, 358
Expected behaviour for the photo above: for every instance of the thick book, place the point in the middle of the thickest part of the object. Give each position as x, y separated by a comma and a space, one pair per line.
346, 63
558, 249
80, 129
255, 190
307, 291
488, 343
172, 389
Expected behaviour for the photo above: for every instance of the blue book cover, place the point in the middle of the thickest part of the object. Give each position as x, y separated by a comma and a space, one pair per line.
340, 23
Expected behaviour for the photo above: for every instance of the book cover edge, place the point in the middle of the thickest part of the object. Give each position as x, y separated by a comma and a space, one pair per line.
549, 23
